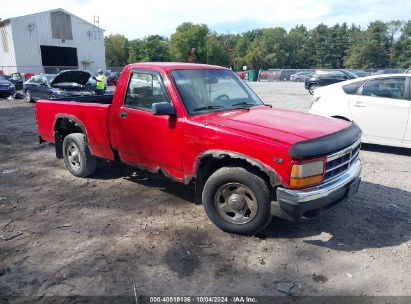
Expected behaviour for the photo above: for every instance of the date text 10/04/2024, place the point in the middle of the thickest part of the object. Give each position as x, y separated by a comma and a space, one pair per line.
201, 299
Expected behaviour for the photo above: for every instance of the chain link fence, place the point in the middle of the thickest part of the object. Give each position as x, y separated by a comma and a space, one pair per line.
300, 75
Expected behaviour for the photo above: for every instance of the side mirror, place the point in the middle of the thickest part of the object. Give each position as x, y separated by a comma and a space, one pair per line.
163, 108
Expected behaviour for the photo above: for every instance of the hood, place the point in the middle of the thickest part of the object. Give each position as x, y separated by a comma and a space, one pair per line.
80, 77
279, 125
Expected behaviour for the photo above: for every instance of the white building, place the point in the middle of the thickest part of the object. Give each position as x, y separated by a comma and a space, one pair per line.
50, 41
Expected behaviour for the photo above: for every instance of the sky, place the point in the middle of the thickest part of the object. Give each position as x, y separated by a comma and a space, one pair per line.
137, 19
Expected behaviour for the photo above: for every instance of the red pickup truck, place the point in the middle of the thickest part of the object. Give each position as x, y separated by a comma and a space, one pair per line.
202, 125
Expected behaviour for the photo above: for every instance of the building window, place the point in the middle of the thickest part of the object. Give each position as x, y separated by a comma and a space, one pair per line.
61, 26
4, 40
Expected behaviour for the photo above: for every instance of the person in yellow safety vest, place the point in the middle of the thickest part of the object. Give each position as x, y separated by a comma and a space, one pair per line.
101, 82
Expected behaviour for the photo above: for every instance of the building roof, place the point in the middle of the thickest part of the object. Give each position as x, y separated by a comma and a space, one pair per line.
49, 11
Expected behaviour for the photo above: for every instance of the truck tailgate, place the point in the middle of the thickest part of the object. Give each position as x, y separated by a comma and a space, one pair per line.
92, 117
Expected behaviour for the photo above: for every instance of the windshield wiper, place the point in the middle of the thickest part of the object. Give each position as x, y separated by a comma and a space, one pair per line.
243, 103
207, 108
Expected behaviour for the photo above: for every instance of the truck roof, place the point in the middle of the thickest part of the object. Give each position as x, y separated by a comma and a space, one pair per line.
168, 66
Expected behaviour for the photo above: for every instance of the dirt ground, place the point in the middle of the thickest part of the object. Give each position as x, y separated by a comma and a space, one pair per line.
123, 228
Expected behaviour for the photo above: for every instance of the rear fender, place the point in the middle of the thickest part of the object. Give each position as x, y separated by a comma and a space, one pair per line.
64, 125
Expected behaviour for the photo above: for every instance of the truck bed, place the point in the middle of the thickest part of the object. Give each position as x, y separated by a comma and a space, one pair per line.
93, 117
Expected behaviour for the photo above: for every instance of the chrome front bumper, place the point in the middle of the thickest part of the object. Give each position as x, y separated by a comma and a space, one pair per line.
298, 205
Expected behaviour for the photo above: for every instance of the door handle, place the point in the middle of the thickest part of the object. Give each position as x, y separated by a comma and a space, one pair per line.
359, 104
123, 115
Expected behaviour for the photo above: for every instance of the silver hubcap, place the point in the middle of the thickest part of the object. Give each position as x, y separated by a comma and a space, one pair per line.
28, 96
236, 203
73, 156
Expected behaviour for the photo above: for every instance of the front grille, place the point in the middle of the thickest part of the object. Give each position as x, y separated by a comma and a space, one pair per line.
4, 86
341, 161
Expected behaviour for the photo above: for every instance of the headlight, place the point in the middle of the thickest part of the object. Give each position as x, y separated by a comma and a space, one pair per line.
307, 174
11, 86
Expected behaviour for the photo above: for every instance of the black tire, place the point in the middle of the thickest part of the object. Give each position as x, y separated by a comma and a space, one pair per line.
76, 143
312, 88
257, 185
52, 96
28, 96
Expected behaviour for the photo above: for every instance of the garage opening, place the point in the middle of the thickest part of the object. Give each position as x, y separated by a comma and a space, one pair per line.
56, 58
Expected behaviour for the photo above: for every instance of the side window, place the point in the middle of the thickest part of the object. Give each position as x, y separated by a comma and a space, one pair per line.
337, 74
143, 90
385, 87
16, 77
352, 88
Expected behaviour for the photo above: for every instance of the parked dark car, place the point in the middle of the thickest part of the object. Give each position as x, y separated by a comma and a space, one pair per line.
285, 75
322, 78
300, 76
389, 71
64, 84
7, 88
360, 73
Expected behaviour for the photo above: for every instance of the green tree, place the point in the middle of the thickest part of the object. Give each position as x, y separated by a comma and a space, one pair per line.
243, 45
393, 32
403, 47
268, 49
186, 37
116, 47
216, 53
299, 56
229, 42
151, 48
319, 46
372, 50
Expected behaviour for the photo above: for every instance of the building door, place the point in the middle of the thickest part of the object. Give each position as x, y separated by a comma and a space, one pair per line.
56, 58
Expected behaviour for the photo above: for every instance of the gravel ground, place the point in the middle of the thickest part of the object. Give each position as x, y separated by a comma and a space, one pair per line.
124, 228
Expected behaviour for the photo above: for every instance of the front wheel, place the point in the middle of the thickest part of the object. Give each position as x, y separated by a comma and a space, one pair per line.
312, 88
237, 201
28, 96
77, 156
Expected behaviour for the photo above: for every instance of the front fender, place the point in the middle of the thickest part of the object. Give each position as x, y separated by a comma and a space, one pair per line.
275, 179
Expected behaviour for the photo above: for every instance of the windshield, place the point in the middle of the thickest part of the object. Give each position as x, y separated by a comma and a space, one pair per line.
2, 77
50, 78
206, 91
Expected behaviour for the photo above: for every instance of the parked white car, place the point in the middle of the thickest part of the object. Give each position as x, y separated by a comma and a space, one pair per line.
380, 105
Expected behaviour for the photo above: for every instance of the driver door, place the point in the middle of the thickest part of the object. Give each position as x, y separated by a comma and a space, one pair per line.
144, 139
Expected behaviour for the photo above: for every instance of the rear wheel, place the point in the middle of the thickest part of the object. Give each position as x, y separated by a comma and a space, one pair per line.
237, 201
77, 156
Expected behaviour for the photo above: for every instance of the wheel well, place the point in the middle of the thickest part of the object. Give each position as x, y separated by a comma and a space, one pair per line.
341, 117
210, 164
63, 127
